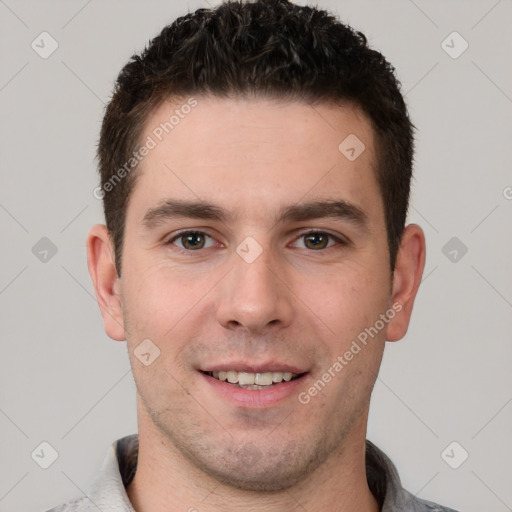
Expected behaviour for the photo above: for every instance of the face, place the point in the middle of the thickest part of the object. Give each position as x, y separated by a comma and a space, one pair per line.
254, 246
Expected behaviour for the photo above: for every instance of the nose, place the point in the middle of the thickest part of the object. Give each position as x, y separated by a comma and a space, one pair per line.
255, 296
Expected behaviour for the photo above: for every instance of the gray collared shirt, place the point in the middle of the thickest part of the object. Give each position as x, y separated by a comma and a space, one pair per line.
108, 491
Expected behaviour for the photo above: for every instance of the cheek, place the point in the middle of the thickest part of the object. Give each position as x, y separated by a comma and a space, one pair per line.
144, 295
161, 303
346, 299
153, 291
157, 304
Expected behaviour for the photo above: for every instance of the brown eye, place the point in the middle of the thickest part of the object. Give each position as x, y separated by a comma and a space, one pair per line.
192, 240
316, 241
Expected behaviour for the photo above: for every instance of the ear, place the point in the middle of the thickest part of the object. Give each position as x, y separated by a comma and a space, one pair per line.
100, 260
406, 280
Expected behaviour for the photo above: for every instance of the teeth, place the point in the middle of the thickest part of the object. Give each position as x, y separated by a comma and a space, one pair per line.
253, 380
277, 376
232, 376
246, 378
263, 379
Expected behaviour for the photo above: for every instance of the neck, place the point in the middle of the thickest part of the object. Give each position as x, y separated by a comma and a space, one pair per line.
164, 477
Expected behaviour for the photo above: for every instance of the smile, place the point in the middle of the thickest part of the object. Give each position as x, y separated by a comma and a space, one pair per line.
246, 380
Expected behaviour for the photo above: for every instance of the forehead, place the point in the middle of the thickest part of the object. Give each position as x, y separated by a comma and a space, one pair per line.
256, 153
246, 122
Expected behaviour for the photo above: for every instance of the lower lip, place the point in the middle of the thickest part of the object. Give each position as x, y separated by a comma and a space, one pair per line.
255, 398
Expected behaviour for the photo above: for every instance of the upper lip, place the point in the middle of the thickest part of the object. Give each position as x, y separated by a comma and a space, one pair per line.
241, 366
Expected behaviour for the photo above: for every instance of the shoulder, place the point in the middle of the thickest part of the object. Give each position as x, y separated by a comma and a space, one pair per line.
384, 482
107, 490
82, 504
415, 504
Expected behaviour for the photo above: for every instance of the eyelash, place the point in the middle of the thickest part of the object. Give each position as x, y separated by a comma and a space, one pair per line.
338, 240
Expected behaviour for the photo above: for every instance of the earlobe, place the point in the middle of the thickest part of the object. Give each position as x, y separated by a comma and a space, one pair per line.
406, 280
100, 262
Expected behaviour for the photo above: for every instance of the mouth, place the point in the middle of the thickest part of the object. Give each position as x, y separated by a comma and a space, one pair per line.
256, 386
259, 380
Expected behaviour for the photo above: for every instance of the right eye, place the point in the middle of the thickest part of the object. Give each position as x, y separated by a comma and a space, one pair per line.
191, 240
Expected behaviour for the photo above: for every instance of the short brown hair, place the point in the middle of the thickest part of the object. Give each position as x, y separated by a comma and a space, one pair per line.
267, 48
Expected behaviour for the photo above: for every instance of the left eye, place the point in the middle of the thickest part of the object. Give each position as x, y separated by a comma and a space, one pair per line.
317, 240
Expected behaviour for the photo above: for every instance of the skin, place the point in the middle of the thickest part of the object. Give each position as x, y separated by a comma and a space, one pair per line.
295, 303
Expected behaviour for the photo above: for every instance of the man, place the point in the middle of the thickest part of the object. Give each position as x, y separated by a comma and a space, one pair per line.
255, 167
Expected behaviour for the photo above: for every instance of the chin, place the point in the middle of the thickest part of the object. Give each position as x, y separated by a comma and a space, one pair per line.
263, 469
257, 479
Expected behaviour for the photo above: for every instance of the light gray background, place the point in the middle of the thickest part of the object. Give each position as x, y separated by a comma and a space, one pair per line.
62, 380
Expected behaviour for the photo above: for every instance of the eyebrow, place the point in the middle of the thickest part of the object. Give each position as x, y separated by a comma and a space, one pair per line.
176, 208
